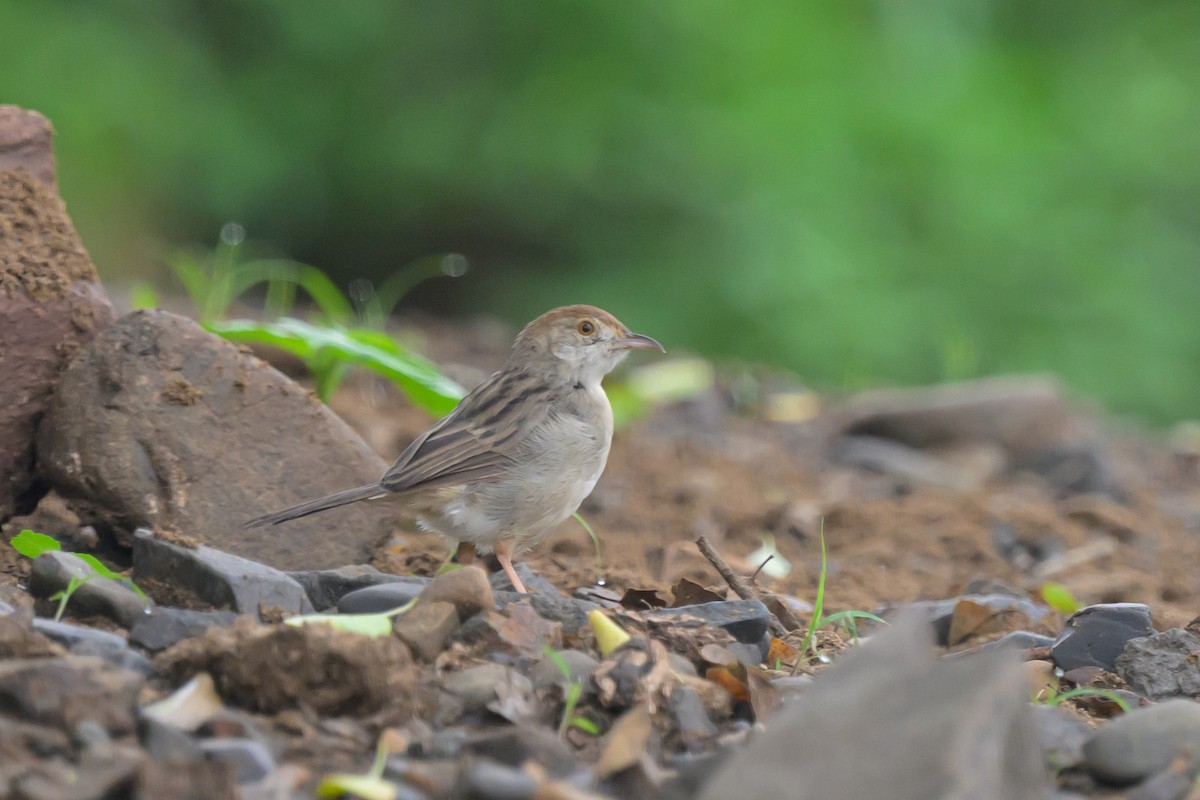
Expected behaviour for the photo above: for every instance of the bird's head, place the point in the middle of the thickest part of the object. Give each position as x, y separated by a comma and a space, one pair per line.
579, 343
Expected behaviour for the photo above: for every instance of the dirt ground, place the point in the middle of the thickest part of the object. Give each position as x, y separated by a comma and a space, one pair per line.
700, 467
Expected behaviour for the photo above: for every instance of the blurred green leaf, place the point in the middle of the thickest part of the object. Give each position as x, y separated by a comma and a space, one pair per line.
32, 544
1060, 598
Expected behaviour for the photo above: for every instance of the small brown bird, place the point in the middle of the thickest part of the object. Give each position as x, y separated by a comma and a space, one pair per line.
519, 453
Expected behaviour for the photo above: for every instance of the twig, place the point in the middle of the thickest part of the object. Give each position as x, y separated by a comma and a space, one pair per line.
739, 586
766, 561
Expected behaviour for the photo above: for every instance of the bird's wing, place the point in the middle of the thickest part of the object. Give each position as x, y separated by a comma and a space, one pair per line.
475, 441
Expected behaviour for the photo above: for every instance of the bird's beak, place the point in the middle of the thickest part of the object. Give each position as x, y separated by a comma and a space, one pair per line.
636, 341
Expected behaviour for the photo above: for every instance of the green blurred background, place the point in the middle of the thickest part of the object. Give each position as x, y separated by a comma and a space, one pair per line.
865, 192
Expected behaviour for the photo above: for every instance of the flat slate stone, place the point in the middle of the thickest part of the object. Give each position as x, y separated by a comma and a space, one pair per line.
168, 626
83, 641
1096, 635
52, 572
220, 579
746, 620
1162, 665
383, 597
326, 587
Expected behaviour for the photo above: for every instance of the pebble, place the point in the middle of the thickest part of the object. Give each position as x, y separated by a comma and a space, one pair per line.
1019, 640
426, 627
1162, 665
1096, 635
534, 583
52, 572
327, 587
467, 588
379, 599
250, 759
476, 686
1061, 734
569, 611
580, 666
691, 717
791, 687
220, 579
487, 780
1144, 741
92, 642
745, 620
167, 626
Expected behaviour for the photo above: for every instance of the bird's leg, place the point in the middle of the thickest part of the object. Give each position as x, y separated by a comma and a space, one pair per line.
506, 562
465, 554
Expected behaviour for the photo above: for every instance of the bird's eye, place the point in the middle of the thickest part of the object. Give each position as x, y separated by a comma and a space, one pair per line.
586, 327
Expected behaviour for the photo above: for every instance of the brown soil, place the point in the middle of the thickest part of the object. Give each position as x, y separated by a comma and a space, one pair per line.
39, 249
700, 468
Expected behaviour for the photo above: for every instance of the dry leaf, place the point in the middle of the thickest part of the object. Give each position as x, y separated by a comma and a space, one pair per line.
974, 619
690, 593
641, 599
625, 742
780, 653
764, 697
727, 679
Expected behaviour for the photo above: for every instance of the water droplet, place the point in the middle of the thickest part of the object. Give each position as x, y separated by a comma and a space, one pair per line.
232, 234
454, 264
601, 581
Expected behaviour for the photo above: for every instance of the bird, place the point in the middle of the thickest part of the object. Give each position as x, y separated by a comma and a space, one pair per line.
521, 452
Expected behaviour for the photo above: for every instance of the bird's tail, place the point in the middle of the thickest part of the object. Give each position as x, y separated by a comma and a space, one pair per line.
320, 504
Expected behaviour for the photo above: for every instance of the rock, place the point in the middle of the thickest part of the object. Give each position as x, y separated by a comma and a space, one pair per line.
580, 666
941, 613
696, 730
269, 668
476, 686
326, 587
904, 463
518, 632
1022, 414
18, 639
745, 620
1143, 742
189, 707
534, 583
1096, 635
1020, 640
381, 598
572, 613
51, 301
91, 642
249, 758
63, 692
1174, 783
166, 626
160, 424
1162, 665
110, 772
52, 572
165, 742
1061, 734
467, 588
955, 727
486, 780
791, 687
426, 627
219, 579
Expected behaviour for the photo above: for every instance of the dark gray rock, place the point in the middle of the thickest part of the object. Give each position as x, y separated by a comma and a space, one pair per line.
744, 620
92, 642
250, 759
326, 587
1170, 784
1096, 635
1020, 640
52, 572
572, 613
1143, 742
1162, 665
534, 583
948, 728
167, 626
159, 424
484, 779
222, 580
696, 730
383, 597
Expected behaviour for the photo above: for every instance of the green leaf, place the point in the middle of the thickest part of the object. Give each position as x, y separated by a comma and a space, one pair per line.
105, 572
375, 350
586, 725
367, 787
1059, 598
31, 544
372, 626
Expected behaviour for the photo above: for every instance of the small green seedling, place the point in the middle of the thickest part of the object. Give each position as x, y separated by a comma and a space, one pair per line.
370, 786
571, 695
595, 546
32, 544
1053, 698
819, 620
373, 626
1060, 598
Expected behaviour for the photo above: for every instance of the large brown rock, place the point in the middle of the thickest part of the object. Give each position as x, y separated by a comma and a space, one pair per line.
51, 302
160, 424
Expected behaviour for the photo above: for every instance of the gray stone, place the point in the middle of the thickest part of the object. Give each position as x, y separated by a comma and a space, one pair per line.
467, 588
476, 686
1162, 665
63, 692
92, 642
52, 572
791, 687
484, 779
580, 666
1170, 784
696, 730
426, 627
1061, 734
167, 626
1143, 742
326, 587
383, 597
744, 620
250, 759
1096, 635
534, 583
159, 424
222, 580
572, 613
890, 720
1020, 640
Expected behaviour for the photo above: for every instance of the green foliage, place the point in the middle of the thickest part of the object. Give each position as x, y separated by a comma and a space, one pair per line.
571, 696
372, 626
1060, 598
1053, 698
862, 192
32, 544
328, 350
